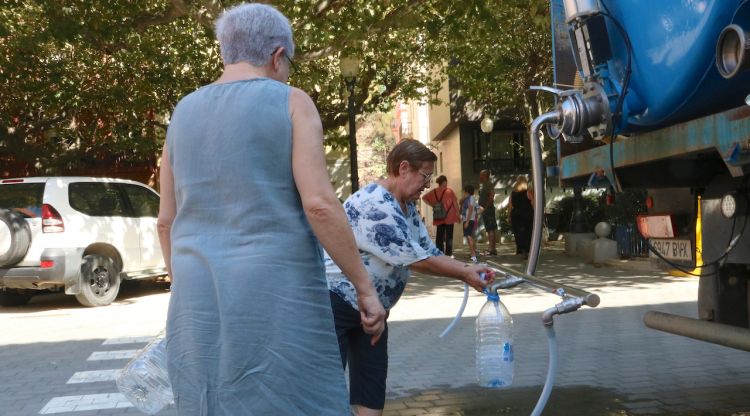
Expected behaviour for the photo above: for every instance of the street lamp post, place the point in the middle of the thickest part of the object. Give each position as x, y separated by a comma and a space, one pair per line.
487, 125
349, 67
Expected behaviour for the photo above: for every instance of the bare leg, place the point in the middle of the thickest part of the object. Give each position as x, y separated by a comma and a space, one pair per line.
491, 238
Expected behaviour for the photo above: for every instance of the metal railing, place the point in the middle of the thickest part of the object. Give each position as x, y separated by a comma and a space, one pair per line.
629, 242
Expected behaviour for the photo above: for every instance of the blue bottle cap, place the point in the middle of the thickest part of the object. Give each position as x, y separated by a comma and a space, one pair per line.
493, 297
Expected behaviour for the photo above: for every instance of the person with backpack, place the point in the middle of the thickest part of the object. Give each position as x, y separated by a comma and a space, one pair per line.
445, 213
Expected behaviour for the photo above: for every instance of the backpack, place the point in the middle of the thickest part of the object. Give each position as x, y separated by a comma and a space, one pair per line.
438, 211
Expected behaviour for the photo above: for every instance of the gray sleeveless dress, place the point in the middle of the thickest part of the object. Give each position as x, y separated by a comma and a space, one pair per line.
250, 329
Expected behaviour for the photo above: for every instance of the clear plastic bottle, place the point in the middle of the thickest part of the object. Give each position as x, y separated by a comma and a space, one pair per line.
494, 344
144, 381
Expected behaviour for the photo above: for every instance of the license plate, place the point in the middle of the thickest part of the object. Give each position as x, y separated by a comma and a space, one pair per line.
672, 249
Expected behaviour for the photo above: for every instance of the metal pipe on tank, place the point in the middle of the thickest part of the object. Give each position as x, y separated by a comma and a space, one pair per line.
537, 174
507, 277
580, 8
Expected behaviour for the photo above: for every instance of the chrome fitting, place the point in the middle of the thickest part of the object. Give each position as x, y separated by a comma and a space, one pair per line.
570, 304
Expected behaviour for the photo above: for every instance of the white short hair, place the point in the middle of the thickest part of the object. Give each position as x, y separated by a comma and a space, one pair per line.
251, 33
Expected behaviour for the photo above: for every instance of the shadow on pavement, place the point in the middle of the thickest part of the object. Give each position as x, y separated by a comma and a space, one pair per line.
130, 291
555, 265
564, 401
477, 401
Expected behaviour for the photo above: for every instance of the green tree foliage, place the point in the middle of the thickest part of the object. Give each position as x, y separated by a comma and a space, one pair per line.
92, 82
499, 51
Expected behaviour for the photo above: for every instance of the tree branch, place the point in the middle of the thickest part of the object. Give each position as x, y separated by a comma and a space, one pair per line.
176, 9
328, 6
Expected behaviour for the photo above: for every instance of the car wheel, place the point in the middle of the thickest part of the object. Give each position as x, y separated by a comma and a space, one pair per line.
15, 237
100, 281
14, 299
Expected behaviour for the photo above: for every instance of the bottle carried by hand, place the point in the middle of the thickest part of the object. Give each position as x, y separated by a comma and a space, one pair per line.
494, 344
144, 381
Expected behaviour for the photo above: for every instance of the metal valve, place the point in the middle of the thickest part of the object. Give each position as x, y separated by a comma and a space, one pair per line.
580, 111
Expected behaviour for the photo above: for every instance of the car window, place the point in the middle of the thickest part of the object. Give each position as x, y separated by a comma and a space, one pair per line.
96, 199
25, 198
145, 202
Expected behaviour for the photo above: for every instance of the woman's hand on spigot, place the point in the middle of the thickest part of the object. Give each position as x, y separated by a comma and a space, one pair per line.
478, 276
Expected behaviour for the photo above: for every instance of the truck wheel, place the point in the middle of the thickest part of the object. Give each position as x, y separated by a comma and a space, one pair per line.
15, 237
100, 281
14, 299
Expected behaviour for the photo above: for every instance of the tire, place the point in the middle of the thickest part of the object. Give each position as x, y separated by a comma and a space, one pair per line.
14, 299
100, 281
15, 237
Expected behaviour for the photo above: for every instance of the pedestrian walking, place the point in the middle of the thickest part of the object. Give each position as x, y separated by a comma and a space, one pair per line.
470, 211
521, 214
445, 213
392, 240
250, 328
487, 203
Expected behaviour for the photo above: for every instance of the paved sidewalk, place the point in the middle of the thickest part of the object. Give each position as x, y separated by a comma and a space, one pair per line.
609, 362
59, 357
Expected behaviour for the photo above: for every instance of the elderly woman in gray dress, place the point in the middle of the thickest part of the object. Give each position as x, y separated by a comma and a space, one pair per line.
246, 200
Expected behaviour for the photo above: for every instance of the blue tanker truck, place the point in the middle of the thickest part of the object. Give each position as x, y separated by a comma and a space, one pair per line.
656, 95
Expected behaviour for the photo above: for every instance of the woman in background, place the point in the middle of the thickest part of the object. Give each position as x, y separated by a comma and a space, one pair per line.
521, 214
447, 198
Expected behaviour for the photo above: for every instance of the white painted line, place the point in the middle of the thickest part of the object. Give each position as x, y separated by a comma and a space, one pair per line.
127, 340
112, 355
94, 376
86, 402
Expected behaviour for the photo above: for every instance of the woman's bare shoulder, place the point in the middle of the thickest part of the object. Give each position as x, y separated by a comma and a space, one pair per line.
301, 106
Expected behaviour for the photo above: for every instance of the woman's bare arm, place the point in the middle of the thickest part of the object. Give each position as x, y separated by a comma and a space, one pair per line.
447, 267
167, 209
323, 209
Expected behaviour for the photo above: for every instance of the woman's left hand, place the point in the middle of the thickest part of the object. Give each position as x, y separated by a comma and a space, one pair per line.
372, 315
473, 276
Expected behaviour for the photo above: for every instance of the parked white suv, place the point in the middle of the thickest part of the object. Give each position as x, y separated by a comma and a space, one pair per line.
78, 234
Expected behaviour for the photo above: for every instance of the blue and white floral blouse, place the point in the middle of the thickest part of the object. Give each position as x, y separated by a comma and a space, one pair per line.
388, 242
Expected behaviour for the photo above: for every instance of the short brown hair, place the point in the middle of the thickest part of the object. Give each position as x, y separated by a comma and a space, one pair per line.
440, 179
411, 151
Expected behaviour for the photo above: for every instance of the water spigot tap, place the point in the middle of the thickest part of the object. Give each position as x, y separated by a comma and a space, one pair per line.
569, 304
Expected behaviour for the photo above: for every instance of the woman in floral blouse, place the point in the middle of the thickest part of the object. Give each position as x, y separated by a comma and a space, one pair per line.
392, 240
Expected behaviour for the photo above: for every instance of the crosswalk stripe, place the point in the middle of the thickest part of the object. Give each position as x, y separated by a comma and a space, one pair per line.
127, 340
111, 355
94, 376
85, 402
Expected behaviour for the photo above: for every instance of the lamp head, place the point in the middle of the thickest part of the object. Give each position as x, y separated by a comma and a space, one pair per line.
349, 66
487, 124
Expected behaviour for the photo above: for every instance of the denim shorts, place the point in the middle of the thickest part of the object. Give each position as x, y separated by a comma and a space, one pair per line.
469, 231
368, 365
